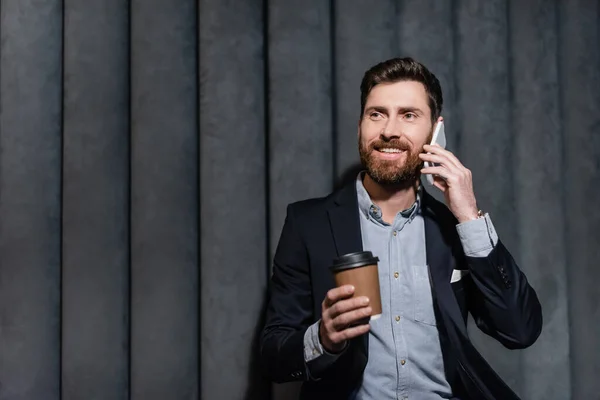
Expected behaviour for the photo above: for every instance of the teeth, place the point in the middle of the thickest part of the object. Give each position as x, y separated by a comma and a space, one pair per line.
390, 150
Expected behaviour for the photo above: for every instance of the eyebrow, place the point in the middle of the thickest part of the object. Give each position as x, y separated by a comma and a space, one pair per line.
401, 110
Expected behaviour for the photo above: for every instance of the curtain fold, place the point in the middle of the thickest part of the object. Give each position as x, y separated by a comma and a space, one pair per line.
148, 151
30, 198
95, 201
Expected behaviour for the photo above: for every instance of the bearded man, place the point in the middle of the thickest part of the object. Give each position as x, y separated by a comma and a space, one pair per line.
437, 263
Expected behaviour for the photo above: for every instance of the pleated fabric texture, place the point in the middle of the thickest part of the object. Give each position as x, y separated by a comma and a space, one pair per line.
148, 150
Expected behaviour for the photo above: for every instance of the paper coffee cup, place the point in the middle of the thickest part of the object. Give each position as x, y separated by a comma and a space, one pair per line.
360, 270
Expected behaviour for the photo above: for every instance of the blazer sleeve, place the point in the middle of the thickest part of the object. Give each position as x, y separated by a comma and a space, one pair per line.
501, 301
289, 310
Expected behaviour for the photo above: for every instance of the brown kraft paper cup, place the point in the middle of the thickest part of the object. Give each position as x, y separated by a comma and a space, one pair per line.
360, 270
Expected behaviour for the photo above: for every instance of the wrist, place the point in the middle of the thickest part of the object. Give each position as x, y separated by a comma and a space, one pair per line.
328, 346
466, 218
470, 215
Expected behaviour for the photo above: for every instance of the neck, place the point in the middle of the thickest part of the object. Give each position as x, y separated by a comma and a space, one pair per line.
391, 198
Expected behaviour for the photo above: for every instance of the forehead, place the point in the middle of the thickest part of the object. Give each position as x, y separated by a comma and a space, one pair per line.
399, 94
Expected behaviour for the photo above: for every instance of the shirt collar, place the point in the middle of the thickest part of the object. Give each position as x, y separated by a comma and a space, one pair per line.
373, 211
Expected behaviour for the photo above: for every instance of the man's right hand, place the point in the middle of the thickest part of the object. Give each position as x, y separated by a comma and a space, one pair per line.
340, 313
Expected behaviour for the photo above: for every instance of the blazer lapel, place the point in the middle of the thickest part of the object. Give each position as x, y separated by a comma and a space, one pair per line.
438, 249
344, 221
345, 227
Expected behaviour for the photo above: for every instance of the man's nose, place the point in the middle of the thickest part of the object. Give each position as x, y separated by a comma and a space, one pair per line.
391, 129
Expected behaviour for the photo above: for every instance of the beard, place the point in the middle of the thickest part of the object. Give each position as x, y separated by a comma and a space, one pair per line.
388, 172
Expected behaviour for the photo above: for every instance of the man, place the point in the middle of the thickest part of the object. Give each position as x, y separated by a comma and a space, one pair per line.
437, 263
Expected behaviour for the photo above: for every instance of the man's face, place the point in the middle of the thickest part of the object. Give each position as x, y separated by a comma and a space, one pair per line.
395, 125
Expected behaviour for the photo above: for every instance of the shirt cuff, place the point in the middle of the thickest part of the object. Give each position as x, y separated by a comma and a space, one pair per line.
478, 237
313, 348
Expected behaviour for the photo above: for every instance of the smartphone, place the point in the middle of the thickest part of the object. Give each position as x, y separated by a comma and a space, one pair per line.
439, 137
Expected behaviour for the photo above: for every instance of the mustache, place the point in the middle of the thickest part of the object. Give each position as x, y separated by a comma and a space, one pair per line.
390, 144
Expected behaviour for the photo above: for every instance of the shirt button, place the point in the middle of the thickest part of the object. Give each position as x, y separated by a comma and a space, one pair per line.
402, 362
396, 275
395, 233
397, 318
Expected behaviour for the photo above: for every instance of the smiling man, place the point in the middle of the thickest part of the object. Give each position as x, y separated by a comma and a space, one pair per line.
437, 264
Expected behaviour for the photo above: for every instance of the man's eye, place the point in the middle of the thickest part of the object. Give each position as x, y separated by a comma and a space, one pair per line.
410, 116
375, 115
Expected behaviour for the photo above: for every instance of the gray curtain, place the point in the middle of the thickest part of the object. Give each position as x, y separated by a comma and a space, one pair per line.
148, 149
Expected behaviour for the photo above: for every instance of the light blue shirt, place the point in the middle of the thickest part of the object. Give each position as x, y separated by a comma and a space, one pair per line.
405, 357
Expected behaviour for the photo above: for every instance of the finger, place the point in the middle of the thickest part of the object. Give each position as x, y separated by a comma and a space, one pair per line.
350, 333
440, 171
349, 318
336, 294
344, 306
438, 150
439, 159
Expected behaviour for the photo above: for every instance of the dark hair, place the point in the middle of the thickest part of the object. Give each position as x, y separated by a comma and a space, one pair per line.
403, 69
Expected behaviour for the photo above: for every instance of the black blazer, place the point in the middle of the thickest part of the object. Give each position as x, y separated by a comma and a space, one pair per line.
316, 231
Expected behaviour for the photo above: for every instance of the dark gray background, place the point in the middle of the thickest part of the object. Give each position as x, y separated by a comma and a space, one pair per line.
148, 149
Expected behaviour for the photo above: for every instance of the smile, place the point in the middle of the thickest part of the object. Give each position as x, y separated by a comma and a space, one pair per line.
390, 153
390, 150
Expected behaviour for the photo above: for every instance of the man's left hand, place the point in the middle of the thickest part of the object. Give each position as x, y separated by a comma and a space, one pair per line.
453, 179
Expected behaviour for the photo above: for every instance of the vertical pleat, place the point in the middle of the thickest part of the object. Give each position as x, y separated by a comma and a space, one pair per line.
301, 159
149, 148
486, 135
164, 200
233, 191
538, 190
95, 285
301, 156
30, 198
579, 67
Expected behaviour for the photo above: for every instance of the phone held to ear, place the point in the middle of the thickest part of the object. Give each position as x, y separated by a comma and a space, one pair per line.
439, 137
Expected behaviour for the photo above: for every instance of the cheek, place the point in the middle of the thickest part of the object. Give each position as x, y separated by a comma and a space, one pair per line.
419, 136
368, 132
